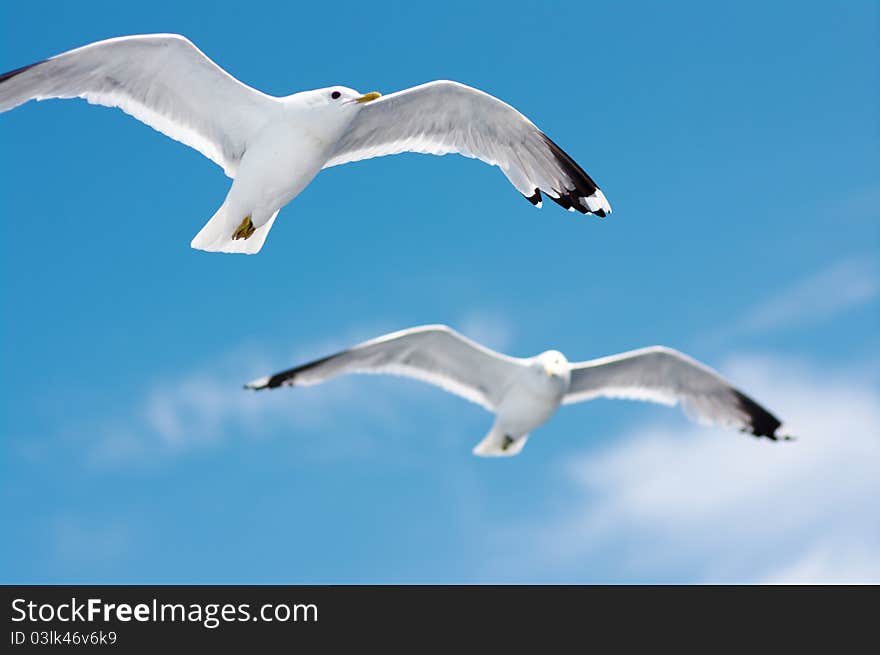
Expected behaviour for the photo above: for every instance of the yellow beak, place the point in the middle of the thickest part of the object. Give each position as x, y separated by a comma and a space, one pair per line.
548, 371
372, 95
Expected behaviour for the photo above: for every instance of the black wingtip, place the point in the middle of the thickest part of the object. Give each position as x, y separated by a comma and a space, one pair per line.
584, 186
565, 201
18, 71
286, 378
761, 422
277, 380
534, 199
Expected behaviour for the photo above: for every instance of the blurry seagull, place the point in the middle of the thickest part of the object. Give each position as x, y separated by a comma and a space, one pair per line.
525, 392
273, 147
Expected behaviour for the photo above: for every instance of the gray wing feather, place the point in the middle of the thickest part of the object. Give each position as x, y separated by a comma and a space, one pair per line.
161, 79
433, 353
664, 375
444, 117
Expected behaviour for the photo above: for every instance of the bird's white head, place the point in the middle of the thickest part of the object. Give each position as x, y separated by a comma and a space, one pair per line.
329, 111
339, 97
553, 364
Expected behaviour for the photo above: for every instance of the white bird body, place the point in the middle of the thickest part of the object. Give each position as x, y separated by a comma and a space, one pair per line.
531, 398
530, 401
274, 146
524, 393
280, 161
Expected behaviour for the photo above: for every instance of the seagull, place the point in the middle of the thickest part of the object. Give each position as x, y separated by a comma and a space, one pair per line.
272, 147
524, 393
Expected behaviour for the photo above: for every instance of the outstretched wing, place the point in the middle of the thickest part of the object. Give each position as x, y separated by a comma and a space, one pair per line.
664, 375
431, 353
160, 79
442, 117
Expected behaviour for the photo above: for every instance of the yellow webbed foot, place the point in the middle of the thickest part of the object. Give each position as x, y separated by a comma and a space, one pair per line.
245, 230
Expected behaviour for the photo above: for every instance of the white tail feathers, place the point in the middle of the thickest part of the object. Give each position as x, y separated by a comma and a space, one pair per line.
499, 444
216, 235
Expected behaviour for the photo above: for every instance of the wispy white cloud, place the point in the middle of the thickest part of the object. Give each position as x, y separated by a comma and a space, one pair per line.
691, 504
832, 562
205, 406
845, 284
488, 328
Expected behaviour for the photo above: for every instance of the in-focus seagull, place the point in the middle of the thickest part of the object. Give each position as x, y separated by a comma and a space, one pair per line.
273, 147
525, 392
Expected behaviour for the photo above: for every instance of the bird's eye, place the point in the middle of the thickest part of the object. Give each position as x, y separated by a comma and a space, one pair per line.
335, 95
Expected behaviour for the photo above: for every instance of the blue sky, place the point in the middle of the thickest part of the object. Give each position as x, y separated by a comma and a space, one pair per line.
739, 148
